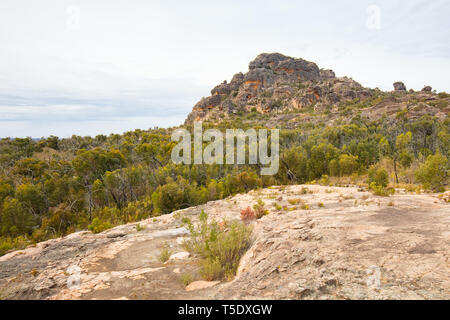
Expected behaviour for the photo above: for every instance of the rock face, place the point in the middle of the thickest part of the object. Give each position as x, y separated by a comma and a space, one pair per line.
280, 67
276, 84
350, 244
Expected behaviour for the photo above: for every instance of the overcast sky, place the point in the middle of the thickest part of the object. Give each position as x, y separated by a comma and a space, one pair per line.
95, 66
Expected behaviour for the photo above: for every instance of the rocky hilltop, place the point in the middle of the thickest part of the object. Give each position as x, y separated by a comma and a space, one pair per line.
278, 85
331, 250
310, 241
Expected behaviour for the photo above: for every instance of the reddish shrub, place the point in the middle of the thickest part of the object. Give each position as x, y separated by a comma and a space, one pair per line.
223, 225
247, 214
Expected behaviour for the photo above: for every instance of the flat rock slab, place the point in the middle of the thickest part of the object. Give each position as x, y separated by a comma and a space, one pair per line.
197, 285
179, 256
171, 232
113, 235
325, 252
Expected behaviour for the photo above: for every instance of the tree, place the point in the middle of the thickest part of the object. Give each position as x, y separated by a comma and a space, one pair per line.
398, 150
379, 176
295, 161
32, 198
59, 220
124, 185
6, 189
90, 165
242, 182
170, 196
30, 167
321, 155
347, 164
16, 219
434, 172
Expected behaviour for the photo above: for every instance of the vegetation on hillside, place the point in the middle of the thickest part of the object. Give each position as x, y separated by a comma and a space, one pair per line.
51, 187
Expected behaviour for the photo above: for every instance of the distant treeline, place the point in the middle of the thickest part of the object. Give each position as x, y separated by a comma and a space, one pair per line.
50, 187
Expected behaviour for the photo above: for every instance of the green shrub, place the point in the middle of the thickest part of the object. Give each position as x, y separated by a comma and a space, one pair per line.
324, 180
305, 207
379, 176
98, 225
259, 209
304, 190
7, 244
294, 201
164, 254
186, 279
15, 218
347, 164
433, 174
380, 190
220, 250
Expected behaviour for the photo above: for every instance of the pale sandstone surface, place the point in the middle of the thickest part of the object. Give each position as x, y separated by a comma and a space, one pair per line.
322, 253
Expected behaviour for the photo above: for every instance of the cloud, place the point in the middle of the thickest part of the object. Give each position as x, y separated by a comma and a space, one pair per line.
148, 63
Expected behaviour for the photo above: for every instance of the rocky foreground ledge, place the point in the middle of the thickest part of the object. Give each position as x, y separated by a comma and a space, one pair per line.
331, 250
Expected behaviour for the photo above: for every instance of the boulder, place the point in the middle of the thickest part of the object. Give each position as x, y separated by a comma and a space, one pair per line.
399, 86
179, 256
45, 284
332, 98
266, 60
115, 234
258, 78
222, 89
236, 81
286, 68
208, 102
327, 74
320, 107
426, 89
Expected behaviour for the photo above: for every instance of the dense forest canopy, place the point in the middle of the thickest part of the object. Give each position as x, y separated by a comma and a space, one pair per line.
51, 187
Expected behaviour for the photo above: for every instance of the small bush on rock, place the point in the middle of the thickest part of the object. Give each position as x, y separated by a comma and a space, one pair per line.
164, 255
247, 214
220, 250
260, 211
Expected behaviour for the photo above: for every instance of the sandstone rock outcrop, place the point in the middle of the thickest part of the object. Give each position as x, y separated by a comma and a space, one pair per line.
276, 84
399, 86
271, 83
331, 251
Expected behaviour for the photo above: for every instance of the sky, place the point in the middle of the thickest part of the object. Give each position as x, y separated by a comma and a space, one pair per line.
91, 67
